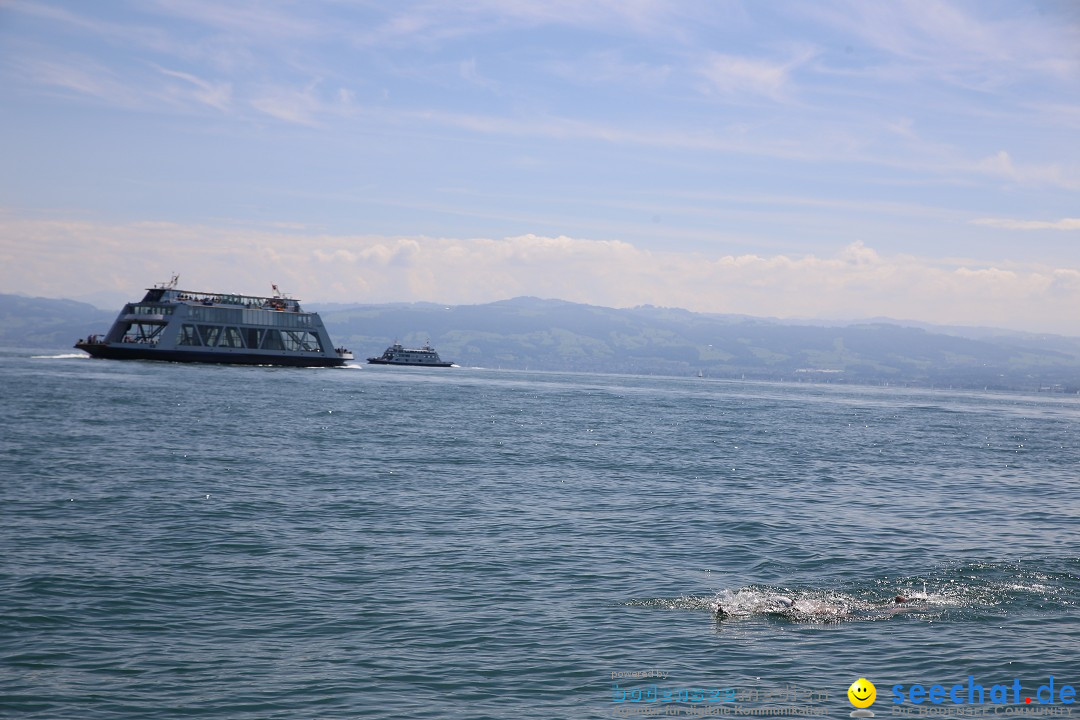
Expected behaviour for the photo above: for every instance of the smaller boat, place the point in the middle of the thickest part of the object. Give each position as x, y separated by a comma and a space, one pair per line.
398, 355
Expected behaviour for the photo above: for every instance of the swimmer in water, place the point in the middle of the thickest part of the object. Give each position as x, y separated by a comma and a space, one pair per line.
776, 605
814, 609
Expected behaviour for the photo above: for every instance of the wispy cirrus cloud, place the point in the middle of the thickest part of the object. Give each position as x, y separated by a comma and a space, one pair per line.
215, 94
589, 112
732, 75
943, 40
1001, 165
309, 106
78, 74
432, 23
607, 67
84, 76
1013, 224
263, 22
136, 34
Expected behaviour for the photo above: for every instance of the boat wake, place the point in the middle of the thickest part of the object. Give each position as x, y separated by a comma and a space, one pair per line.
62, 356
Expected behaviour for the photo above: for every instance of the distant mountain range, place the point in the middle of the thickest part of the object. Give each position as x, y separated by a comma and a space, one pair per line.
45, 323
556, 335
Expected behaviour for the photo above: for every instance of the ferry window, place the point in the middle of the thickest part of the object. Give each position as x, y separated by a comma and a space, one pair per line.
284, 319
210, 334
297, 340
273, 340
213, 314
118, 331
228, 315
254, 337
252, 316
188, 336
231, 338
291, 341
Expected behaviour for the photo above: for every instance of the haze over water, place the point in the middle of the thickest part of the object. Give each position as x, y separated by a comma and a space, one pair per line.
229, 542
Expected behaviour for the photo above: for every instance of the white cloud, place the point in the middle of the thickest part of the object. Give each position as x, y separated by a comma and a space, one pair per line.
610, 67
1001, 165
1011, 224
73, 258
939, 40
82, 75
257, 60
259, 20
303, 106
217, 95
734, 75
77, 74
126, 33
289, 104
430, 23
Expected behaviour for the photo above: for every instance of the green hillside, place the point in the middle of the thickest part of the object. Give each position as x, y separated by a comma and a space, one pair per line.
529, 333
556, 335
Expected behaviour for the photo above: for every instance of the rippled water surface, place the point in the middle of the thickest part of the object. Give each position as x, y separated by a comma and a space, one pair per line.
228, 542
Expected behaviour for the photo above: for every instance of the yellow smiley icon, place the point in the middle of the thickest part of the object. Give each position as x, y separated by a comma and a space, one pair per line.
862, 693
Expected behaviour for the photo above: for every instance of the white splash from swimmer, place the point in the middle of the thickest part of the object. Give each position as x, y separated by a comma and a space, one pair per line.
815, 606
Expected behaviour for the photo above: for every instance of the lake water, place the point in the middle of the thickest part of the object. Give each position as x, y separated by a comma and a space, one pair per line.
232, 542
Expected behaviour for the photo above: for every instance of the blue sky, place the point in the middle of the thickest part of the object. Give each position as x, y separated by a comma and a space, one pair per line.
917, 160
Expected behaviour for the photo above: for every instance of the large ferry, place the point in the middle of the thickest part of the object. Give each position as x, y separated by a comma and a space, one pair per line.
188, 326
398, 355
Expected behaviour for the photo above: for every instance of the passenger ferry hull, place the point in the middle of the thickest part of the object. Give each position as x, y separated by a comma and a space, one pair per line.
380, 361
113, 352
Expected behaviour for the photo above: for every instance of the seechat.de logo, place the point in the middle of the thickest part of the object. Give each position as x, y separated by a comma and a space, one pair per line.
862, 694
